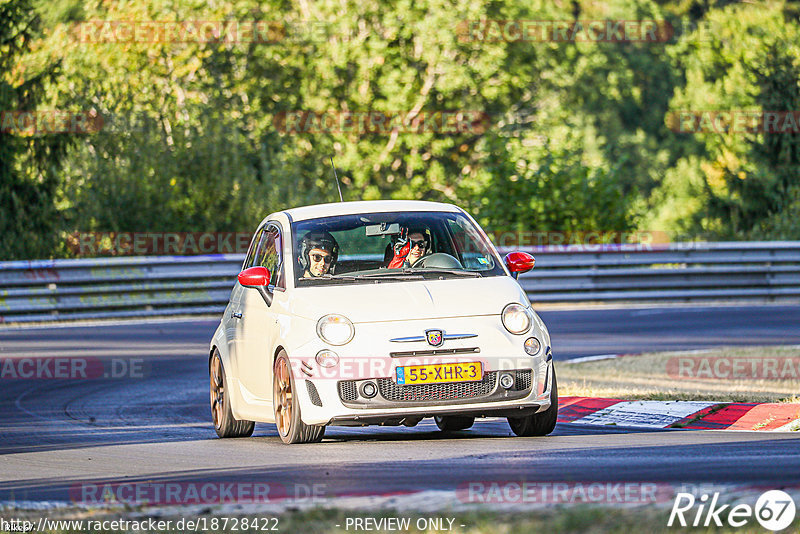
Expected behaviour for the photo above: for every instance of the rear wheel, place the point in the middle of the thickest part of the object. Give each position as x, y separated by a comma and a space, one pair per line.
224, 423
538, 424
451, 423
291, 428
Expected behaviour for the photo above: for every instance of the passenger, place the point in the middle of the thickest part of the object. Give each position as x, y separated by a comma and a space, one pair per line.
318, 254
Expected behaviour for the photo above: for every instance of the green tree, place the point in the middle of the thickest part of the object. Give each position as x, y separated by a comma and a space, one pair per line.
744, 59
576, 138
29, 162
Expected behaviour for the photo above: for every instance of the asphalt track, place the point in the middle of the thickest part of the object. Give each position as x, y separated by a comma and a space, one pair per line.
61, 434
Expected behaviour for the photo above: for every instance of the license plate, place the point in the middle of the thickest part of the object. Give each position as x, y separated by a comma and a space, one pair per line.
441, 372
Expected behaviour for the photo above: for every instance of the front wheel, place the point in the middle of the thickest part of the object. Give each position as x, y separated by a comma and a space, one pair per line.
538, 424
224, 423
291, 428
452, 423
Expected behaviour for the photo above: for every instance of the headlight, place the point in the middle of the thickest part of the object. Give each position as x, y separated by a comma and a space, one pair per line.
335, 329
516, 318
327, 358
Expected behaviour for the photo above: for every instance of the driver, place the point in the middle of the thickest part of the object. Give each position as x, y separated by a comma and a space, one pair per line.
407, 250
318, 254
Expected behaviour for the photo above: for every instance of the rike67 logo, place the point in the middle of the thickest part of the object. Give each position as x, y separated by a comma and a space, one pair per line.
774, 510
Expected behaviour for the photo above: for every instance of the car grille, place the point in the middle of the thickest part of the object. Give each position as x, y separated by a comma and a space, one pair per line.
313, 394
390, 393
347, 390
523, 380
435, 352
433, 392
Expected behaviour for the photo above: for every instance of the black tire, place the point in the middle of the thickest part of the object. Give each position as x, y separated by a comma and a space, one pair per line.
538, 424
452, 423
291, 427
224, 423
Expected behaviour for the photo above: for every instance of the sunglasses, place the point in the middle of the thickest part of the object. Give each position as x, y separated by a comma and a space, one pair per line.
321, 257
421, 244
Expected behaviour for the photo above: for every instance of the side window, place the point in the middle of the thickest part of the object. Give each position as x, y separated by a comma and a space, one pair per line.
269, 254
251, 253
278, 272
468, 249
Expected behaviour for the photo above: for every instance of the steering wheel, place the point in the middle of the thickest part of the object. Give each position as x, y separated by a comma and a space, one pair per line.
438, 260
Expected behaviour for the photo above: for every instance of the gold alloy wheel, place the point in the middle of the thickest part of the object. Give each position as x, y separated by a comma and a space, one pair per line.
217, 391
283, 398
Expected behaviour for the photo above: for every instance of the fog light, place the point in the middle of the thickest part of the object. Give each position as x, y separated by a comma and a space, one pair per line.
532, 346
506, 380
368, 390
327, 358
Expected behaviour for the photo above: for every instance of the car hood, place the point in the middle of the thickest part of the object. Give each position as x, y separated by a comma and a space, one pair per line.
398, 301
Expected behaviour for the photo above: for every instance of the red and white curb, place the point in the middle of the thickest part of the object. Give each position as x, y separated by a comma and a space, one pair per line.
680, 414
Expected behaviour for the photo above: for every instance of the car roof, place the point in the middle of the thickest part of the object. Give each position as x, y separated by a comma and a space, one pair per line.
366, 206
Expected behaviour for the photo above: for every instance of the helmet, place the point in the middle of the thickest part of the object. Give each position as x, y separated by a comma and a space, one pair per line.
321, 240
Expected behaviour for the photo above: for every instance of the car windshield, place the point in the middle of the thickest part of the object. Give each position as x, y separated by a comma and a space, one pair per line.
361, 248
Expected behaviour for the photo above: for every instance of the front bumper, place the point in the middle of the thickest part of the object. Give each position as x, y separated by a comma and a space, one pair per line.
323, 401
391, 395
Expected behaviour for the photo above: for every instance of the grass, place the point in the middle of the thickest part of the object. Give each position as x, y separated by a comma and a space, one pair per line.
657, 376
573, 519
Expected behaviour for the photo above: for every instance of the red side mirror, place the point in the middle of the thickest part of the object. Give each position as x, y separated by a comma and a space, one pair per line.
519, 262
254, 277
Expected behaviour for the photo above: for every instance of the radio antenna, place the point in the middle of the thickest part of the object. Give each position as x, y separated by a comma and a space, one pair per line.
337, 180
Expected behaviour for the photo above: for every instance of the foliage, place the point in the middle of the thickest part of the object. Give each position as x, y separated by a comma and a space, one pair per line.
577, 137
746, 59
28, 163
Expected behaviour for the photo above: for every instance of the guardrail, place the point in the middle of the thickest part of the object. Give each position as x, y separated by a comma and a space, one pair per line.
46, 290
679, 272
50, 290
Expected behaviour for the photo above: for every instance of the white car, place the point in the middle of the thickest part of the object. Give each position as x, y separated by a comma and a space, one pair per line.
379, 313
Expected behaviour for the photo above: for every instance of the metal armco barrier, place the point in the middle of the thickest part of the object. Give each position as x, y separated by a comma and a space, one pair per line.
51, 290
679, 272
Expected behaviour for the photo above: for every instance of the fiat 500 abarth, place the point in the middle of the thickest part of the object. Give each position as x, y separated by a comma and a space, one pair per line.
379, 313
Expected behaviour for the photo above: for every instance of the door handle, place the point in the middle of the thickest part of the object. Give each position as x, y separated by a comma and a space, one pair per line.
236, 315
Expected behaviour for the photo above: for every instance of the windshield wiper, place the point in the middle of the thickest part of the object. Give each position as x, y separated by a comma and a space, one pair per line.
471, 274
394, 274
344, 277
405, 273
